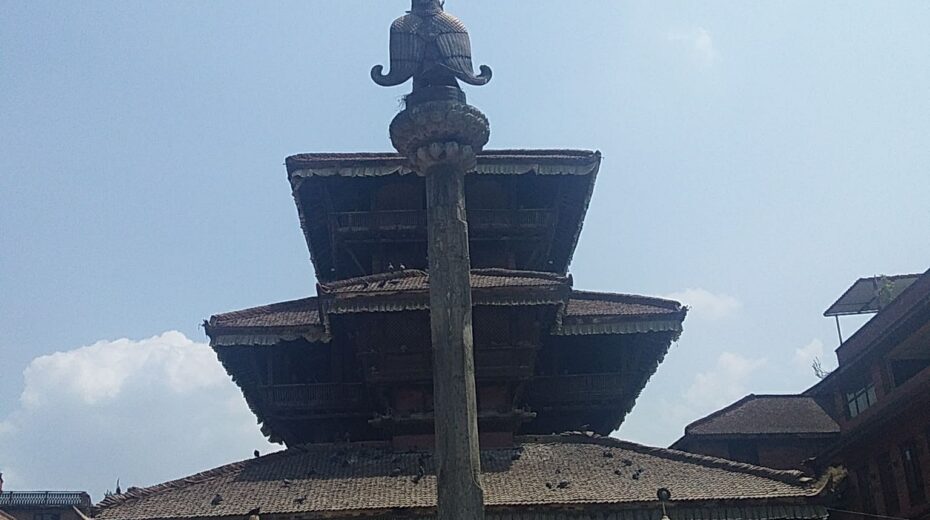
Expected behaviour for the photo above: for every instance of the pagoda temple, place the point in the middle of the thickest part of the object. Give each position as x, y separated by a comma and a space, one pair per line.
349, 379
354, 362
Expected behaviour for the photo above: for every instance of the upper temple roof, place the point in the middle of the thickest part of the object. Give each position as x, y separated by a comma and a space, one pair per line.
566, 471
507, 162
363, 212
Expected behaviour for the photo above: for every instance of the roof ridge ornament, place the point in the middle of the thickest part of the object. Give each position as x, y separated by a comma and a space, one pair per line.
432, 47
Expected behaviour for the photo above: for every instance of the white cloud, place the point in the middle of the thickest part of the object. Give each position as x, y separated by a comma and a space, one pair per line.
698, 43
724, 383
98, 373
804, 357
142, 411
707, 305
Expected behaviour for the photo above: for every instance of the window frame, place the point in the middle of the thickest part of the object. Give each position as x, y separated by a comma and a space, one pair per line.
860, 400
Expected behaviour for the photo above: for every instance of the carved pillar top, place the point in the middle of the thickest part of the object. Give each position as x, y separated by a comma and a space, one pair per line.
432, 47
440, 132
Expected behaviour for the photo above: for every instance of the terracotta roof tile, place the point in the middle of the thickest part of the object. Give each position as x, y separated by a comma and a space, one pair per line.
582, 306
296, 313
766, 414
543, 471
584, 303
416, 280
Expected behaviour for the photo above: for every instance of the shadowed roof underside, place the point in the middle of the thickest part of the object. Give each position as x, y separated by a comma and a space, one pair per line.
313, 181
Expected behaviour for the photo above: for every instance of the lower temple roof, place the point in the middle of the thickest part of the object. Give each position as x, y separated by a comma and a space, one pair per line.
568, 471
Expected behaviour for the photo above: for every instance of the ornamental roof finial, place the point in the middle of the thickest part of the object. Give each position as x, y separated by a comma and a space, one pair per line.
432, 47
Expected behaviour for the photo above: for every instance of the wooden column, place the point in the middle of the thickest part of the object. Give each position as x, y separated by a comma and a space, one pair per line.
441, 139
456, 420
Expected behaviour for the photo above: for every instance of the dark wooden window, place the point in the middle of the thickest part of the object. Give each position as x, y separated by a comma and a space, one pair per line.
910, 458
400, 195
889, 485
860, 399
864, 485
904, 369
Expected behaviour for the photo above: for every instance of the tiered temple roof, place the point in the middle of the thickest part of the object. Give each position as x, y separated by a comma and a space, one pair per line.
355, 362
344, 378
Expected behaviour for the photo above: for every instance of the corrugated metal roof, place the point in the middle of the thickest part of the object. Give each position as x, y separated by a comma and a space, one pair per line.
43, 499
871, 294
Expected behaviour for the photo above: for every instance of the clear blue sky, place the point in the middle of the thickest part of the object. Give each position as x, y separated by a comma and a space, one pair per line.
758, 157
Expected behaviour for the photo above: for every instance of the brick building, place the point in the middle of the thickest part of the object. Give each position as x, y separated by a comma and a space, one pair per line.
776, 431
878, 398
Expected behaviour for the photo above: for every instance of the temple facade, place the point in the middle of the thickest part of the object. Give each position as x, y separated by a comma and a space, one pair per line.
342, 378
354, 362
444, 292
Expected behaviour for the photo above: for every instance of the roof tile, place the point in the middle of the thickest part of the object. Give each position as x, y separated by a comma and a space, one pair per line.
358, 478
766, 414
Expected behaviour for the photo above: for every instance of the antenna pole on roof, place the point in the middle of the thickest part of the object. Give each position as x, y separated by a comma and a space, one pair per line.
441, 134
839, 331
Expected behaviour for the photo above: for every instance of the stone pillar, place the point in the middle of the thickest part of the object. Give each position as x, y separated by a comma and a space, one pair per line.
441, 139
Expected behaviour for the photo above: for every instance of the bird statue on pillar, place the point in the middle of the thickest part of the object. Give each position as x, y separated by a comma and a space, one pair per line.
432, 47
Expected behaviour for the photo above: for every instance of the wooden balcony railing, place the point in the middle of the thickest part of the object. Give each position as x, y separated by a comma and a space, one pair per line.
415, 220
490, 363
510, 218
573, 388
328, 396
363, 221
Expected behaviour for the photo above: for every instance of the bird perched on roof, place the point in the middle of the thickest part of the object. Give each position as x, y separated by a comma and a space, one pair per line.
421, 472
256, 454
217, 500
